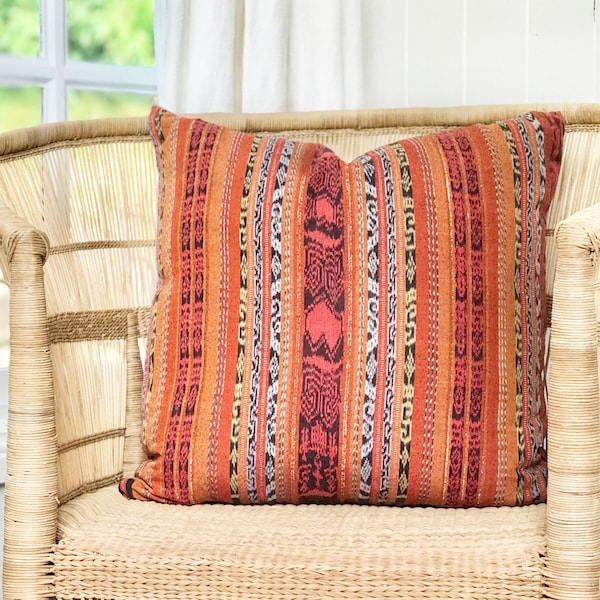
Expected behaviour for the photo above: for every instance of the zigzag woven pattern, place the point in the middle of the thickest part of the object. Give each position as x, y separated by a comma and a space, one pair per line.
367, 332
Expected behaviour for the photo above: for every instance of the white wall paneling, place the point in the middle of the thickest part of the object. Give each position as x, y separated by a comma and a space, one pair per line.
327, 35
496, 51
435, 52
562, 51
384, 53
442, 53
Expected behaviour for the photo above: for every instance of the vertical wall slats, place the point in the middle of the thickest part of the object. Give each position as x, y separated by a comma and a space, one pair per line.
496, 51
561, 51
432, 53
384, 51
435, 53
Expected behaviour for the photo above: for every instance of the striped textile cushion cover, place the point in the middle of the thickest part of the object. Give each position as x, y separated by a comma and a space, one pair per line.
367, 332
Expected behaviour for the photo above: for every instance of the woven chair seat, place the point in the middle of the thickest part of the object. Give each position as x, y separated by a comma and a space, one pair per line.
112, 547
77, 247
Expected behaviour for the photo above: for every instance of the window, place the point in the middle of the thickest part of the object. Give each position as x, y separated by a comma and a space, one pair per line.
70, 59
65, 59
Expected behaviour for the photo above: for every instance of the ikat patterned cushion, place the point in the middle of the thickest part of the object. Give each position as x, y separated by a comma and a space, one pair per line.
367, 332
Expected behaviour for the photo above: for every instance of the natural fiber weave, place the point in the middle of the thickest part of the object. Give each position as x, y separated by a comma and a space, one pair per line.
92, 325
80, 197
574, 409
119, 549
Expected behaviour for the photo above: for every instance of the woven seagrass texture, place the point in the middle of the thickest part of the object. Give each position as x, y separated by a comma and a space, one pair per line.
299, 552
574, 409
77, 249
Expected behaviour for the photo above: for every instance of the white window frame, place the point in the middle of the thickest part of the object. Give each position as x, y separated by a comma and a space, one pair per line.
55, 74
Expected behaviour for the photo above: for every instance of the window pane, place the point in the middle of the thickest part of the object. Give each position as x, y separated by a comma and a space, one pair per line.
111, 31
20, 27
87, 104
20, 107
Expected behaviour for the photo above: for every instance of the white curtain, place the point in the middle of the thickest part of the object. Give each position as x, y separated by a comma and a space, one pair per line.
260, 55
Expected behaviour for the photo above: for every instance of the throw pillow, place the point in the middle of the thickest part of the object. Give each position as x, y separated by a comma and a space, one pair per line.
370, 331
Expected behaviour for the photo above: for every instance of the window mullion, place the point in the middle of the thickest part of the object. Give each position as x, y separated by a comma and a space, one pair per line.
17, 70
99, 76
53, 43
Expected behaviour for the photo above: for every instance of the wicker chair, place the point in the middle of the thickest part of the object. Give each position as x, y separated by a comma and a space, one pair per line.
77, 225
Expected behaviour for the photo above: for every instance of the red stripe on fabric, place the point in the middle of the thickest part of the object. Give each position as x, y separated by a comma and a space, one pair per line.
183, 364
455, 175
323, 336
197, 191
477, 319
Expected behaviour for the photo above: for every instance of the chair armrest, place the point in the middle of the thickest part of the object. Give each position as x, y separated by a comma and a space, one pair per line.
15, 230
574, 412
31, 480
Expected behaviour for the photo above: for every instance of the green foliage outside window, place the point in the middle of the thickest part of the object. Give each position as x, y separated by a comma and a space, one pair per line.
108, 31
19, 107
19, 27
111, 31
100, 31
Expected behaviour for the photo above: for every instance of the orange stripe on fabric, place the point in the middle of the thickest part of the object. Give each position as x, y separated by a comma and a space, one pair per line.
508, 453
433, 320
361, 328
231, 303
446, 341
348, 409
